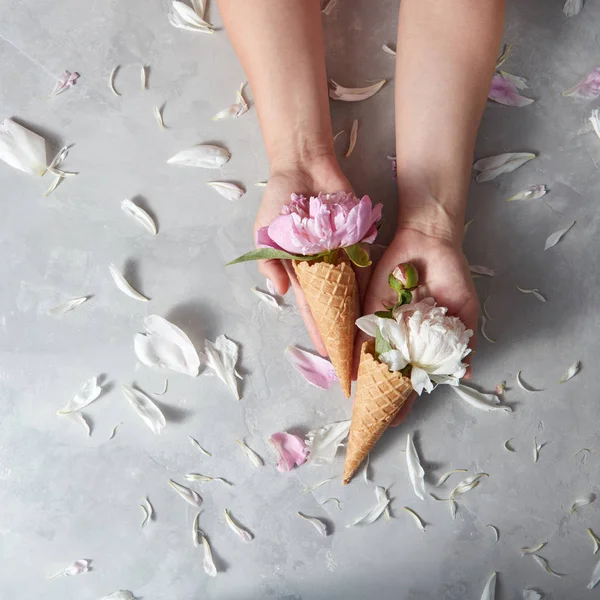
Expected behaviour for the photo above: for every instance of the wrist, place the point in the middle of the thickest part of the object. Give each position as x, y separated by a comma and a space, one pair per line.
320, 171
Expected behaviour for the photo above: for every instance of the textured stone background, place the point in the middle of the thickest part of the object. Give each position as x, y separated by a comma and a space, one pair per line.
64, 497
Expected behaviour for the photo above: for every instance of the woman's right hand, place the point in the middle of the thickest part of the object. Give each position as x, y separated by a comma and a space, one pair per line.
320, 174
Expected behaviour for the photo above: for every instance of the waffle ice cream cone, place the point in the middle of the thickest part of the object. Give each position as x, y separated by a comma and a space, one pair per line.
331, 293
380, 394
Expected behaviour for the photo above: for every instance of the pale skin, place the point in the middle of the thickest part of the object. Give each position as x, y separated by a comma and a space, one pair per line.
446, 52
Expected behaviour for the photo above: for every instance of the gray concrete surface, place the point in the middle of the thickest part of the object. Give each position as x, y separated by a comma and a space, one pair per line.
64, 497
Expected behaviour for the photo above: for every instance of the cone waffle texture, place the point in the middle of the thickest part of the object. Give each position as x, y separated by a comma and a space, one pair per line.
380, 394
330, 291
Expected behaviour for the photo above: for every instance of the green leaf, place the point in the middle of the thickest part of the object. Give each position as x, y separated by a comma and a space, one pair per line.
358, 255
270, 253
381, 345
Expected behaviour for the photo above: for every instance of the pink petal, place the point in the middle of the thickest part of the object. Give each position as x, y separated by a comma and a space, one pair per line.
588, 88
263, 239
505, 92
66, 81
292, 450
315, 369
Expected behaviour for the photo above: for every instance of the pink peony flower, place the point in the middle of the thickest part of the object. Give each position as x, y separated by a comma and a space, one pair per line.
505, 90
588, 88
320, 223
292, 450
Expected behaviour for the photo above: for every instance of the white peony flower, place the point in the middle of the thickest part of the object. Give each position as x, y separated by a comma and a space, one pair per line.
422, 336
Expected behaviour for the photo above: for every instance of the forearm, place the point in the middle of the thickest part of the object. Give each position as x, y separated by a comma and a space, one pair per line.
446, 53
280, 46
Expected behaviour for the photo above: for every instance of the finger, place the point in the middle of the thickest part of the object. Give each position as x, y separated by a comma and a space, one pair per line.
404, 410
273, 269
304, 310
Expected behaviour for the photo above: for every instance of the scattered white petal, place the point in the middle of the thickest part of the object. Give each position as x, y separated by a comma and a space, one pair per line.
231, 112
415, 471
445, 476
317, 485
388, 49
328, 8
208, 563
571, 372
467, 225
595, 577
466, 485
595, 540
572, 7
381, 495
495, 530
196, 530
533, 192
111, 80
535, 292
114, 430
339, 92
533, 549
199, 477
150, 509
544, 564
479, 400
146, 515
557, 236
88, 393
479, 270
261, 183
325, 441
158, 116
489, 168
144, 76
353, 138
198, 446
489, 591
453, 508
79, 418
229, 191
365, 468
166, 346
507, 446
536, 449
333, 500
140, 215
185, 17
254, 458
531, 595
316, 523
583, 501
64, 308
124, 286
317, 370
205, 156
190, 496
372, 515
75, 568
22, 149
240, 531
120, 595
483, 332
419, 522
146, 409
525, 386
485, 310
200, 7
268, 299
57, 181
222, 357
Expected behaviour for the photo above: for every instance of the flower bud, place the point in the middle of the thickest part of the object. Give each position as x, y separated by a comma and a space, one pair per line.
404, 277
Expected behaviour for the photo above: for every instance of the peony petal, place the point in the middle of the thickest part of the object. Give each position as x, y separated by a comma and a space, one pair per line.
240, 531
124, 285
222, 357
485, 402
120, 595
595, 577
368, 324
269, 299
22, 149
316, 523
254, 458
339, 92
588, 88
185, 17
493, 166
190, 496
205, 156
420, 380
504, 91
324, 442
489, 591
415, 471
292, 450
479, 270
571, 372
353, 138
140, 215
557, 236
229, 191
573, 7
88, 393
533, 192
315, 369
146, 409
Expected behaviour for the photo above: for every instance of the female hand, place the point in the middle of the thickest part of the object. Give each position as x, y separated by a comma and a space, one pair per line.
443, 274
321, 174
